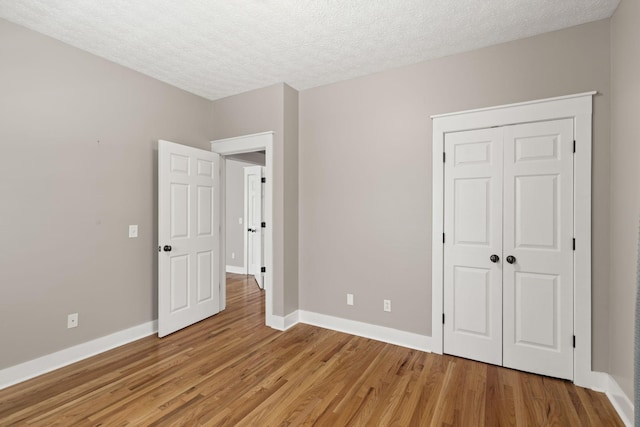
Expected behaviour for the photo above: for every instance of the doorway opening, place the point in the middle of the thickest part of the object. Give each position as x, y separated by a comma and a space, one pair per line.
253, 219
246, 147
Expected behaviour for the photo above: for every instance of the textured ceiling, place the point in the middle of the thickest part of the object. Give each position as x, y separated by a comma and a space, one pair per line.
217, 48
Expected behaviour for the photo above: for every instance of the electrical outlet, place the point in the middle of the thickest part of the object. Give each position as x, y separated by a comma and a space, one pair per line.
233, 255
240, 220
72, 320
133, 231
387, 305
349, 299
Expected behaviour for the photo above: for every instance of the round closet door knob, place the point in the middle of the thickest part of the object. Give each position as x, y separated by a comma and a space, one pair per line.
511, 259
494, 258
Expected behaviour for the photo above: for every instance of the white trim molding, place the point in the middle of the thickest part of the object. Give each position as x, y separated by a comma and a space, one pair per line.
291, 319
283, 323
50, 362
579, 108
620, 401
366, 330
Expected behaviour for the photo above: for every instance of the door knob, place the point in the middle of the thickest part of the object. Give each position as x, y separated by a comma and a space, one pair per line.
494, 258
167, 248
511, 259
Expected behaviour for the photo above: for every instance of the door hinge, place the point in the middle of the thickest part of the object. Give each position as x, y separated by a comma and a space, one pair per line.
574, 145
444, 157
443, 318
442, 237
574, 341
574, 243
263, 269
263, 224
263, 179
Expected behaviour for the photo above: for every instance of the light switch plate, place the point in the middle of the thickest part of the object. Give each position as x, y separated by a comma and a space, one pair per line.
240, 220
133, 231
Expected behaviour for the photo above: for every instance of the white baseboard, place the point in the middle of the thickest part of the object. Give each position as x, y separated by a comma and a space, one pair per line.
291, 319
597, 381
27, 370
620, 401
235, 269
283, 323
366, 330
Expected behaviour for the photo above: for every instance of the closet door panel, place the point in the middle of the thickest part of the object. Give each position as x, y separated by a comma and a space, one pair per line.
538, 234
473, 230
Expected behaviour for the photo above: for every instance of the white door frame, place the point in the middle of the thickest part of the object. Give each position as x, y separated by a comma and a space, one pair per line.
247, 144
579, 107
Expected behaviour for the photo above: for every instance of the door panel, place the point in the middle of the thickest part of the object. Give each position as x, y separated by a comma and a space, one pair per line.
471, 288
179, 283
205, 269
188, 284
473, 230
536, 312
538, 232
179, 215
472, 195
537, 211
205, 214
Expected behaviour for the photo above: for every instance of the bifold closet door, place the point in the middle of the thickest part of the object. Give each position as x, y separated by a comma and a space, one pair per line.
538, 234
473, 234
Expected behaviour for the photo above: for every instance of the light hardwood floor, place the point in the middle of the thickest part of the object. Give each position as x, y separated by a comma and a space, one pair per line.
232, 370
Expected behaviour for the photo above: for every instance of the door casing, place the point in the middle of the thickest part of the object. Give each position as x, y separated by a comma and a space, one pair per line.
579, 107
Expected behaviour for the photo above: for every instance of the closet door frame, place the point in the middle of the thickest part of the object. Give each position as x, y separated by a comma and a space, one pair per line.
579, 107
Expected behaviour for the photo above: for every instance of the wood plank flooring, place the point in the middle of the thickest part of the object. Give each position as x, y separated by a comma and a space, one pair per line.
231, 370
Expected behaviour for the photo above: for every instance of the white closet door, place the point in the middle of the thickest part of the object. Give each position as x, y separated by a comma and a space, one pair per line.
538, 233
473, 229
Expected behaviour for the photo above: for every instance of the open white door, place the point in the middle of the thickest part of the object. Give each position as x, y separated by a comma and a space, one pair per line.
254, 212
188, 236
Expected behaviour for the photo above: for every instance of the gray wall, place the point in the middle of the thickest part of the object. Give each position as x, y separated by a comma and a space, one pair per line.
365, 171
291, 206
272, 109
234, 184
79, 151
625, 187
